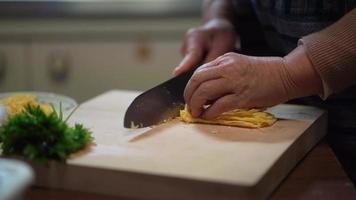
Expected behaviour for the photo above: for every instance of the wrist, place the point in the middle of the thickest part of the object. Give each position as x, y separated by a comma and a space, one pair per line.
302, 78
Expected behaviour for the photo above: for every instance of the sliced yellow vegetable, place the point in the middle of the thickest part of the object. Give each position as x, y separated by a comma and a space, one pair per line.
16, 104
248, 118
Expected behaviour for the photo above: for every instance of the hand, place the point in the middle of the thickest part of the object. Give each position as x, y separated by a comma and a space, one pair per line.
206, 43
235, 81
238, 81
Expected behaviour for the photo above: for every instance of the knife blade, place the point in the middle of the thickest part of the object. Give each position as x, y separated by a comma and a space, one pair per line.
157, 104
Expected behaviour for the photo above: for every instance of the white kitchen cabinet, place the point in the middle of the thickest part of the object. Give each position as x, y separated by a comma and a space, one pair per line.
13, 68
83, 69
82, 58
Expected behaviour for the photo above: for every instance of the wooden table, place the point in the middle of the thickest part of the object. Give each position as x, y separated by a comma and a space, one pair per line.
318, 176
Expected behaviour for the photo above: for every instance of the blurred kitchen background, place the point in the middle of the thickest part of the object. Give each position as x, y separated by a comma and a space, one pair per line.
82, 48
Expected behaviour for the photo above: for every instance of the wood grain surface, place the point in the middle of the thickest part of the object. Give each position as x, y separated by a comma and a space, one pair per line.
318, 176
183, 161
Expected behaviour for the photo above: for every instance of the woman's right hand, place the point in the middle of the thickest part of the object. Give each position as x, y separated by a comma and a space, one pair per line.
205, 43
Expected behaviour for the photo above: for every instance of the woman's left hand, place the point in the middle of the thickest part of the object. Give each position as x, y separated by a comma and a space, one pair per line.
237, 81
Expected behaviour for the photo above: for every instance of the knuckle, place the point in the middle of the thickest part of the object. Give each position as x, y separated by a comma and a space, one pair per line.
235, 56
214, 62
205, 66
200, 69
227, 69
220, 58
193, 31
228, 58
194, 79
228, 61
228, 54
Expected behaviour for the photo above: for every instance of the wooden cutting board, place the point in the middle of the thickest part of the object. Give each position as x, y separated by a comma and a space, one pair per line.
183, 161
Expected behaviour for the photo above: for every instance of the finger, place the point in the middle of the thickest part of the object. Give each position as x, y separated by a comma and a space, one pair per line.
194, 49
208, 71
190, 60
207, 92
213, 55
211, 64
189, 41
202, 74
224, 104
219, 46
216, 53
183, 48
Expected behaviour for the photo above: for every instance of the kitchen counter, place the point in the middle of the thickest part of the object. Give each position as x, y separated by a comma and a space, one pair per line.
318, 176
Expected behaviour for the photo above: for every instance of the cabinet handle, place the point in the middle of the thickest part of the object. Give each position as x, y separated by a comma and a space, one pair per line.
3, 65
59, 63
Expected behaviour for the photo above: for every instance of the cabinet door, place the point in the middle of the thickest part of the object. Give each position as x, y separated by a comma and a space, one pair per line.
86, 69
14, 74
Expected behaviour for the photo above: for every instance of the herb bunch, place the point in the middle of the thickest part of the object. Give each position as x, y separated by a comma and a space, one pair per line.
42, 137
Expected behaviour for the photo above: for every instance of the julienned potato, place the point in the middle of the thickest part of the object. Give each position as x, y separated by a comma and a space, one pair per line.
247, 118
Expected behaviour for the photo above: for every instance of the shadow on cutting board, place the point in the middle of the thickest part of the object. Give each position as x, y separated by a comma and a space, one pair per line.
279, 132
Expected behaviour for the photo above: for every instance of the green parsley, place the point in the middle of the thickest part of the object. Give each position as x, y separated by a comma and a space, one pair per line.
41, 137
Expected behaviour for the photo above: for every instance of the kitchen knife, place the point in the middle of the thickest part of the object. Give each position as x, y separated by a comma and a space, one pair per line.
158, 104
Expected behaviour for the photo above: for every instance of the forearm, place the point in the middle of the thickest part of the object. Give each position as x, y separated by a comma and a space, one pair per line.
332, 52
